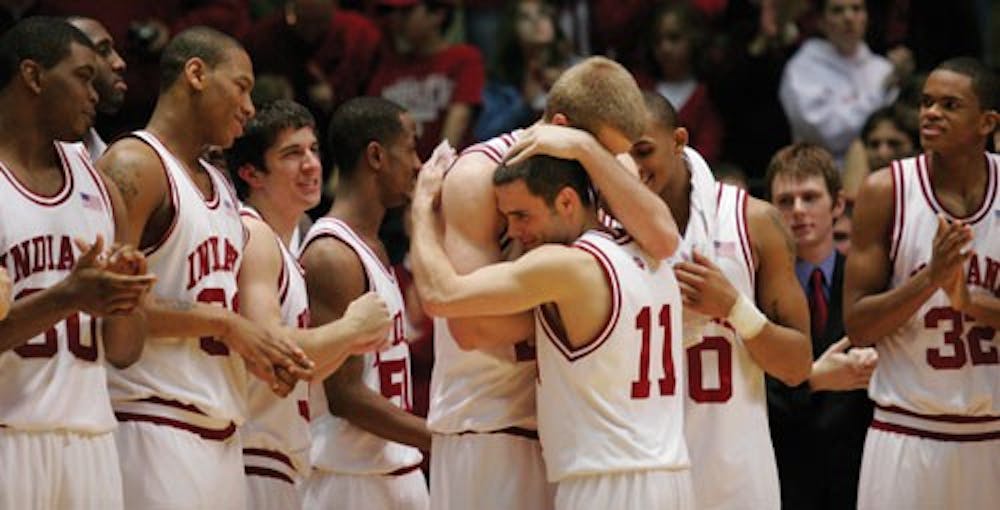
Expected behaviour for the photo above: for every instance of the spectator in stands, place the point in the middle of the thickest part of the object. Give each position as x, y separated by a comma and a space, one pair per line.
439, 83
327, 54
887, 135
531, 55
832, 84
674, 42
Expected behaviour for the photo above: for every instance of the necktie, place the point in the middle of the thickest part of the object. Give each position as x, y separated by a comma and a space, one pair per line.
818, 307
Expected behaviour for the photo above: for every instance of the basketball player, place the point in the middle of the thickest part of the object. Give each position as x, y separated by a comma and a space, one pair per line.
180, 404
108, 82
366, 444
56, 447
482, 403
735, 255
608, 325
934, 441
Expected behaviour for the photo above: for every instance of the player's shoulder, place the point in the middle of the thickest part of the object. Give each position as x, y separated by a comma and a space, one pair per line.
131, 153
879, 184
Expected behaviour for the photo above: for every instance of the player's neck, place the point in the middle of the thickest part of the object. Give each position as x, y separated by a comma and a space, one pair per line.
959, 170
178, 133
363, 212
25, 149
677, 195
282, 220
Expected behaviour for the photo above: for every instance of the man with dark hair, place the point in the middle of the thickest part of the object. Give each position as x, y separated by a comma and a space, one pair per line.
482, 402
367, 448
277, 168
608, 324
179, 406
818, 427
921, 286
735, 255
109, 83
56, 446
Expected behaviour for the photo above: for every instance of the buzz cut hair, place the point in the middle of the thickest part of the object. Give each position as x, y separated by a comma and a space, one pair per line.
598, 92
42, 39
205, 43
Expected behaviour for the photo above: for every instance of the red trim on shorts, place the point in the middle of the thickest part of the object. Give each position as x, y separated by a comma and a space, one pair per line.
173, 403
946, 418
938, 436
267, 473
205, 433
271, 454
511, 431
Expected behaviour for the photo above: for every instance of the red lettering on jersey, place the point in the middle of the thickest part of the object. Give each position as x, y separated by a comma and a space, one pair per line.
973, 276
22, 262
36, 255
990, 281
206, 259
66, 258
398, 334
38, 252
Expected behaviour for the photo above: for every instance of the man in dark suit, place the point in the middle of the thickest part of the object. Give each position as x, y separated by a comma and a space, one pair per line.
818, 428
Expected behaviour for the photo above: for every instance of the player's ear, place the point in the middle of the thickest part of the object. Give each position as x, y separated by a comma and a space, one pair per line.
250, 175
374, 155
680, 138
989, 122
31, 73
559, 119
566, 201
195, 73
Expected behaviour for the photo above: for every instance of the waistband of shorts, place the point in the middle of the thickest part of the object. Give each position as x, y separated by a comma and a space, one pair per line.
511, 431
171, 413
269, 464
940, 427
404, 470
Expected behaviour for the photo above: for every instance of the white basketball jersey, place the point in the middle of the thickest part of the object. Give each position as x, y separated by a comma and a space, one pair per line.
726, 407
277, 424
615, 404
940, 362
481, 390
56, 380
338, 446
193, 379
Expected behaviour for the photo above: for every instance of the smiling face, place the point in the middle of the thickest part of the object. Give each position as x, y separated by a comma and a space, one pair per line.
950, 113
294, 172
109, 82
225, 105
658, 155
67, 94
530, 220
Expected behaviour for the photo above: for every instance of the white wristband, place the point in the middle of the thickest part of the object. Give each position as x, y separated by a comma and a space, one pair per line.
745, 318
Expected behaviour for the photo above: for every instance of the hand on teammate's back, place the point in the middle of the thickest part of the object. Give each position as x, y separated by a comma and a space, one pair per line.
100, 291
272, 358
369, 318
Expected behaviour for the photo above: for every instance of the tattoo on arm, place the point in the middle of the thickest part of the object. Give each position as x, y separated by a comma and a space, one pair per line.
124, 181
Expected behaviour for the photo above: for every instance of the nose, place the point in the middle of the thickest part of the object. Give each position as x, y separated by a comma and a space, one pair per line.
798, 205
311, 163
117, 62
248, 109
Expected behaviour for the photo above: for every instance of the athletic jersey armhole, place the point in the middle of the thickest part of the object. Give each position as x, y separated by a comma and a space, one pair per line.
898, 211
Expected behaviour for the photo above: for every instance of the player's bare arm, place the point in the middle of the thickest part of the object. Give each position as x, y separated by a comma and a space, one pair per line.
328, 346
644, 215
872, 312
473, 226
347, 394
138, 173
123, 336
781, 347
6, 287
88, 288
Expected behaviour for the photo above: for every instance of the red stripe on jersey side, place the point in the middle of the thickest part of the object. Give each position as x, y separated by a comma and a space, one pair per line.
326, 232
267, 473
743, 231
271, 454
98, 180
899, 209
944, 418
171, 189
938, 436
571, 353
42, 200
349, 232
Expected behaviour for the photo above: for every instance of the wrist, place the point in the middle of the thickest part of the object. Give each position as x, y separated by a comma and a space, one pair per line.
745, 318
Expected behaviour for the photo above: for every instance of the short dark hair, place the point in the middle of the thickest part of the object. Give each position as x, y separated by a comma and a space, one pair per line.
205, 43
546, 176
358, 122
984, 81
260, 134
896, 117
803, 160
660, 109
42, 39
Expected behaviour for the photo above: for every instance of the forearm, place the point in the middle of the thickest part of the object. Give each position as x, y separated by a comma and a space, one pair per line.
371, 412
985, 309
874, 317
34, 314
432, 272
124, 338
178, 318
328, 346
782, 352
644, 215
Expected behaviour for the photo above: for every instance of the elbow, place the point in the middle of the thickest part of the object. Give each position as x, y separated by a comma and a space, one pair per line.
798, 371
121, 362
859, 335
665, 242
